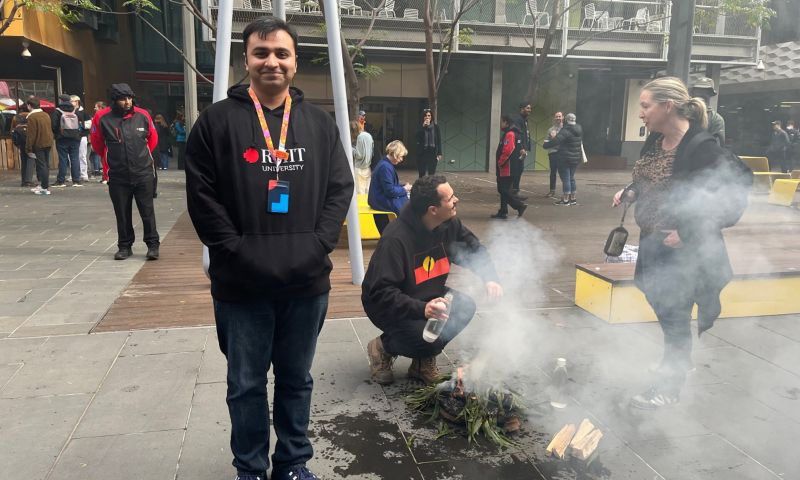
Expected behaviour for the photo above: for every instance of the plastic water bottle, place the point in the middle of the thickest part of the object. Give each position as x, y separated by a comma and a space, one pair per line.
435, 326
558, 383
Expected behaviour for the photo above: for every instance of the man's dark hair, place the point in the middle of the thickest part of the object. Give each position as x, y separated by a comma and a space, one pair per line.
424, 193
523, 104
263, 26
33, 102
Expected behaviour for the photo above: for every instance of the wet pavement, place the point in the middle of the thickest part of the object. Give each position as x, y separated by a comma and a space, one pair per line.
150, 404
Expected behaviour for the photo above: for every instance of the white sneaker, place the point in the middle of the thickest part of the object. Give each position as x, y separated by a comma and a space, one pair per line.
43, 192
37, 189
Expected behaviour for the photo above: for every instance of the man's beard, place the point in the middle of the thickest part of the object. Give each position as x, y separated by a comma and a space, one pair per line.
116, 108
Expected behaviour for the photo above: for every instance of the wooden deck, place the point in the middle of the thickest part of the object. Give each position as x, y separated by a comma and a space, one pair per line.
174, 291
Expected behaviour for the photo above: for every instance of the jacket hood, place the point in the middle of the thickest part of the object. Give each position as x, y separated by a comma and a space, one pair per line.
240, 94
120, 90
66, 107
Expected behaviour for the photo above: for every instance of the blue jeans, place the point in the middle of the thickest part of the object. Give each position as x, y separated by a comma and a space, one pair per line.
567, 174
164, 159
253, 335
68, 158
96, 165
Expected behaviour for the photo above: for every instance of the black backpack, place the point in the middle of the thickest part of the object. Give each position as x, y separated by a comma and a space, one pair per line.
730, 183
19, 134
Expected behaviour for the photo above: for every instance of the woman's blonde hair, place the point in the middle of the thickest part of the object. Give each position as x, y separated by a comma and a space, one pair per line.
396, 149
666, 89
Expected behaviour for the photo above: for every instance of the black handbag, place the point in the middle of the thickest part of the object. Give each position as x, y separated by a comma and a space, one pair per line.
615, 243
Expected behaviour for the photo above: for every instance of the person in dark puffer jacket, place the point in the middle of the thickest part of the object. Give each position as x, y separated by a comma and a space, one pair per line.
570, 154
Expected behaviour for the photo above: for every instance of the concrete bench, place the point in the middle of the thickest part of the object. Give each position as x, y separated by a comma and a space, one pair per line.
607, 291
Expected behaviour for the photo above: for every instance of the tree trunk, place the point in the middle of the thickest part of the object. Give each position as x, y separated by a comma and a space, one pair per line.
427, 21
540, 59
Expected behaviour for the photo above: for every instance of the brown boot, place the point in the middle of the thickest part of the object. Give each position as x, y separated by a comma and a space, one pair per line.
380, 362
425, 370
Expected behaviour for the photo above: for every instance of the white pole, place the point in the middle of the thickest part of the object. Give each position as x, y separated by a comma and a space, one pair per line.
343, 122
223, 56
221, 70
189, 77
279, 9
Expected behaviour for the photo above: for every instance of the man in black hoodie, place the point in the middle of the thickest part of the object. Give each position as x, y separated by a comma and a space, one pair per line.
268, 202
66, 129
405, 281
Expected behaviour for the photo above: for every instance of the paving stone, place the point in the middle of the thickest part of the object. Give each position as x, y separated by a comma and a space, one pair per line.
206, 450
701, 457
764, 343
52, 316
66, 365
18, 350
214, 367
758, 430
786, 325
33, 431
361, 446
53, 330
9, 324
499, 466
341, 381
20, 308
123, 457
143, 394
336, 331
7, 371
151, 342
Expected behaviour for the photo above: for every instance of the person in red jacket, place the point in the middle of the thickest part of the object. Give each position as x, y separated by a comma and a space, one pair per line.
124, 136
508, 151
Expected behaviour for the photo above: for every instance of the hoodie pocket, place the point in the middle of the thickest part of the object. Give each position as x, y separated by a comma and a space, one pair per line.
278, 261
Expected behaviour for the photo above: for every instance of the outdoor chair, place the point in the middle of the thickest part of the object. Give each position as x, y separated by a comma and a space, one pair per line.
293, 6
388, 10
310, 6
411, 13
266, 5
638, 22
542, 19
350, 7
592, 17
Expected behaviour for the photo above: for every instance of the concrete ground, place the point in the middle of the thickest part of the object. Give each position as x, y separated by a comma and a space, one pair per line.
150, 404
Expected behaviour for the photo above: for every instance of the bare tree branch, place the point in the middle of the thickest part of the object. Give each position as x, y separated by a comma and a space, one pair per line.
11, 15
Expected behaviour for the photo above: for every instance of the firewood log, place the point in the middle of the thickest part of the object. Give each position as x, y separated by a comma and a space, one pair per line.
558, 446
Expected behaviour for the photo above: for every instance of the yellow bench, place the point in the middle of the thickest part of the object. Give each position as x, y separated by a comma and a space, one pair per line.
763, 181
366, 219
607, 291
757, 164
783, 192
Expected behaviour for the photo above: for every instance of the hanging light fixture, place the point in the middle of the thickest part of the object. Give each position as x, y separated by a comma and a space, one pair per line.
25, 52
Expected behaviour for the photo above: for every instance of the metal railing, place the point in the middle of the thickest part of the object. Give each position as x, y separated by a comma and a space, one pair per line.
613, 29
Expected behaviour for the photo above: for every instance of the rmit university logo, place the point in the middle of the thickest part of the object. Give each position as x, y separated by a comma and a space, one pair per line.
295, 161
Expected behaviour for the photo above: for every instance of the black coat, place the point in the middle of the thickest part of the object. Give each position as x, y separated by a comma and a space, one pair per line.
700, 269
437, 139
568, 141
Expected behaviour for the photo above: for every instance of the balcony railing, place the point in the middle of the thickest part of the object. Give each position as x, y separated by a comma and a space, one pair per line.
611, 29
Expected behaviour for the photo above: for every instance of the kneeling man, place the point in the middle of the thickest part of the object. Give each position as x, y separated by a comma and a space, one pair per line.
405, 281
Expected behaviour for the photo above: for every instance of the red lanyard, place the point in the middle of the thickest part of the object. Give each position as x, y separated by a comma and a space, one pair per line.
279, 154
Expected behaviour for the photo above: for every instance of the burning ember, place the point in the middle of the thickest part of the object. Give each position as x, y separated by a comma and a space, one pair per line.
487, 410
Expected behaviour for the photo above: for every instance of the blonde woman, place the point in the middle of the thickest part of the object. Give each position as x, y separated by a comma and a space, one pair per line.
682, 256
362, 156
385, 191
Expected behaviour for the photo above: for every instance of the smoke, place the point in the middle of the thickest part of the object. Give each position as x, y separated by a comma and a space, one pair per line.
504, 346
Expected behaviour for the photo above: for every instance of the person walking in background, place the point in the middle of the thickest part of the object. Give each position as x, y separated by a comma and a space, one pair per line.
67, 131
521, 121
385, 191
94, 158
429, 144
268, 186
362, 156
704, 88
125, 137
406, 281
552, 153
19, 136
682, 257
164, 142
568, 141
793, 152
39, 141
507, 152
179, 132
85, 122
778, 148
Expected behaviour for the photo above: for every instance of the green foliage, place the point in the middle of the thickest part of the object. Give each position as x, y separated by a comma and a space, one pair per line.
71, 11
754, 13
481, 416
360, 65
